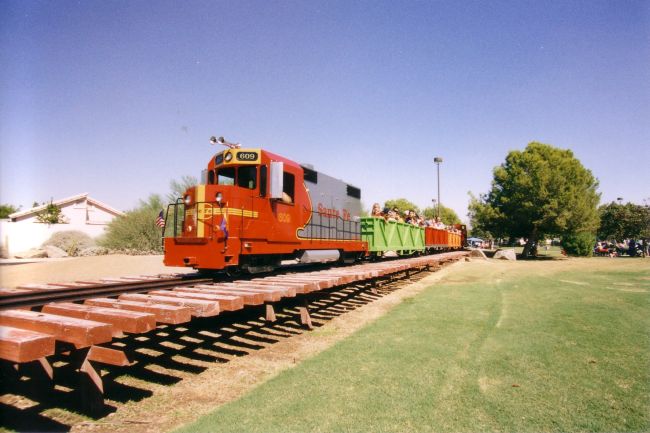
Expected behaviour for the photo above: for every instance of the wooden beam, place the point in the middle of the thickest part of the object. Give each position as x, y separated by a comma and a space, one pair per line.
170, 314
80, 332
21, 345
122, 320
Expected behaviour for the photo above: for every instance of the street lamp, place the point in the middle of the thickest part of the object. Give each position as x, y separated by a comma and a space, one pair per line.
438, 161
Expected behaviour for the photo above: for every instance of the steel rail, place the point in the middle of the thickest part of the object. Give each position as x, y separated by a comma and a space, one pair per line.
42, 297
38, 298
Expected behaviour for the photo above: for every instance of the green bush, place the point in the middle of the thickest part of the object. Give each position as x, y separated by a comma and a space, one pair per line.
579, 244
136, 232
50, 215
70, 241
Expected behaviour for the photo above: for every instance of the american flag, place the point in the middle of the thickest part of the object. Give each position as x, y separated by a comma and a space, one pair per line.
224, 226
160, 221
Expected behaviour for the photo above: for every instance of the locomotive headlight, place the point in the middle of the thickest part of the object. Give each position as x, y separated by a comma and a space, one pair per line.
219, 197
187, 199
227, 157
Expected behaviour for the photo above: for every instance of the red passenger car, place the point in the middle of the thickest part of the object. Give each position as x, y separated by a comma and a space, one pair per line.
443, 239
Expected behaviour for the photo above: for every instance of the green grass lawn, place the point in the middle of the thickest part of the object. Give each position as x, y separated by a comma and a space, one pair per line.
495, 346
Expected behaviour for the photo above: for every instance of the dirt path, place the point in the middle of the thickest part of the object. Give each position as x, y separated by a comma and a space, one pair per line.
70, 269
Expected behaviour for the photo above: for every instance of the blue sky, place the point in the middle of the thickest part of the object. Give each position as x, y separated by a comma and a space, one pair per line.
117, 98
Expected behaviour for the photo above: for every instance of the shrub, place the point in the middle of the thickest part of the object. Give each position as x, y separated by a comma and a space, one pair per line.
579, 244
70, 241
50, 215
136, 231
93, 251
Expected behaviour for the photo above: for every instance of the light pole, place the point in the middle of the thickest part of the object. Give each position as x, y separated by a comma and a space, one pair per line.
438, 161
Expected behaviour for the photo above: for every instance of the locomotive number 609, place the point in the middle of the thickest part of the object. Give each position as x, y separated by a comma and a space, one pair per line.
246, 156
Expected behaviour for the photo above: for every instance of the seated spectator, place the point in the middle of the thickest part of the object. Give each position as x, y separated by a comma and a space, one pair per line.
408, 218
397, 215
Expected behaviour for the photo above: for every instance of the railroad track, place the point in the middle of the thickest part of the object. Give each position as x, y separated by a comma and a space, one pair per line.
87, 332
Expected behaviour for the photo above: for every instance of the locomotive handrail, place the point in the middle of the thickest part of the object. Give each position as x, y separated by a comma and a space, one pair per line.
343, 229
175, 225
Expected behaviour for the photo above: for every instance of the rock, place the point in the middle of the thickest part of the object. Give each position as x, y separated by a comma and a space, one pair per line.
93, 251
505, 255
31, 254
54, 252
476, 253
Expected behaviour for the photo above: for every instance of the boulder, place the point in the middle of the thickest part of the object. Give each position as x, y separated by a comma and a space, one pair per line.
32, 254
476, 253
54, 252
505, 255
93, 251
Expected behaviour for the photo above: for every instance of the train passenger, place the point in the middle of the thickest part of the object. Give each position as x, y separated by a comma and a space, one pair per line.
393, 215
376, 211
408, 218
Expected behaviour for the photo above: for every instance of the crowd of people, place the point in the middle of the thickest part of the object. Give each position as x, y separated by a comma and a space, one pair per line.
627, 247
409, 217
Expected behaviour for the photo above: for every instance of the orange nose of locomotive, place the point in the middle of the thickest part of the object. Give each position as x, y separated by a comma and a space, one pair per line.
201, 230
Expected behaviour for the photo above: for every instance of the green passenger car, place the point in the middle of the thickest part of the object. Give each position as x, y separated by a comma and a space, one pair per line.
384, 236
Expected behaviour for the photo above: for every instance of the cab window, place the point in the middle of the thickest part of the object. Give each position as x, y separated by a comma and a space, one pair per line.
247, 177
288, 190
226, 176
211, 177
263, 181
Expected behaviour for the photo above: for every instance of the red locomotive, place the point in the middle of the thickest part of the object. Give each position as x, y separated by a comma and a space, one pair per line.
255, 209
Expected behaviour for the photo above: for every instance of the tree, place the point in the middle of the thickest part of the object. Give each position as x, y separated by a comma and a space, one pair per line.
7, 209
178, 188
539, 192
364, 212
479, 217
136, 230
447, 215
624, 221
402, 205
50, 215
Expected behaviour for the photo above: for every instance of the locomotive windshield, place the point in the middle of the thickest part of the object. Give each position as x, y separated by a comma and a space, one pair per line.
245, 177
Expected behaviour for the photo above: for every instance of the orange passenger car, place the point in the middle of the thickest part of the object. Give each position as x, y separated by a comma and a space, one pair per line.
443, 239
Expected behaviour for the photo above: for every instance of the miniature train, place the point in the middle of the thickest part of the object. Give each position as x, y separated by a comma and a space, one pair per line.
255, 209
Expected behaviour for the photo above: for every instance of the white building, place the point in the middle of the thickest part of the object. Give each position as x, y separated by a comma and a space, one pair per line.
22, 230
